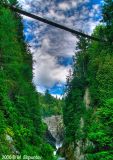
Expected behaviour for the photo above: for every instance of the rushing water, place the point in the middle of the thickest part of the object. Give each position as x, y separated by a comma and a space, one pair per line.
56, 129
58, 145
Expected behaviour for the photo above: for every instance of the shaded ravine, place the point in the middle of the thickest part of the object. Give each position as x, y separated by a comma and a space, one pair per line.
56, 128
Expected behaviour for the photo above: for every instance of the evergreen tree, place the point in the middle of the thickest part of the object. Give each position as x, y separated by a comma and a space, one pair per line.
21, 128
108, 18
93, 69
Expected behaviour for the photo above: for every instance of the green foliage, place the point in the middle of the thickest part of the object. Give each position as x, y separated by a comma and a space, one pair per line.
74, 108
93, 70
50, 105
101, 131
108, 19
20, 113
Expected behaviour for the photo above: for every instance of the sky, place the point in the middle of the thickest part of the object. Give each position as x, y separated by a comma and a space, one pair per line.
53, 48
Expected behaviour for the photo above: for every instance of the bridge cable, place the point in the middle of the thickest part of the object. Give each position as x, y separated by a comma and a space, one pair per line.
52, 23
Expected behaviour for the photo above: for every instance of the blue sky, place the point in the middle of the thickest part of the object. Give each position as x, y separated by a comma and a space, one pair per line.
53, 48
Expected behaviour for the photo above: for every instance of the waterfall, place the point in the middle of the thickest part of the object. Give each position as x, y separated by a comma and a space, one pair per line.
58, 145
56, 128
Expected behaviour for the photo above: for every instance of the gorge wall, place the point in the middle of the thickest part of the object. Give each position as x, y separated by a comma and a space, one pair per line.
76, 149
55, 127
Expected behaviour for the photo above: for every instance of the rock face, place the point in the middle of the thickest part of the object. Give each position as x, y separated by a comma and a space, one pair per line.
55, 126
50, 139
87, 99
55, 132
77, 152
11, 144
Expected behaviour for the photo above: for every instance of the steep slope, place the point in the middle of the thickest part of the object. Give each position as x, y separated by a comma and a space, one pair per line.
21, 129
88, 112
50, 105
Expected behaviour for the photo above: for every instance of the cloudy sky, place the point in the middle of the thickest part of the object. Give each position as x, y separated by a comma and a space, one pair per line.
53, 48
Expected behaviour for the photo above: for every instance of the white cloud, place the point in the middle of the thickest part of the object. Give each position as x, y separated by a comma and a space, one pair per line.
64, 6
49, 43
74, 4
48, 72
96, 7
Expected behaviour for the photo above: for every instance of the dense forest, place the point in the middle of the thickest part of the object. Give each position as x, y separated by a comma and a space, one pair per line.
50, 105
88, 112
21, 129
87, 106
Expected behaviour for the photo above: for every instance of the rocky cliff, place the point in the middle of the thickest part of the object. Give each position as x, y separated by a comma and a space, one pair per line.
76, 150
55, 126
